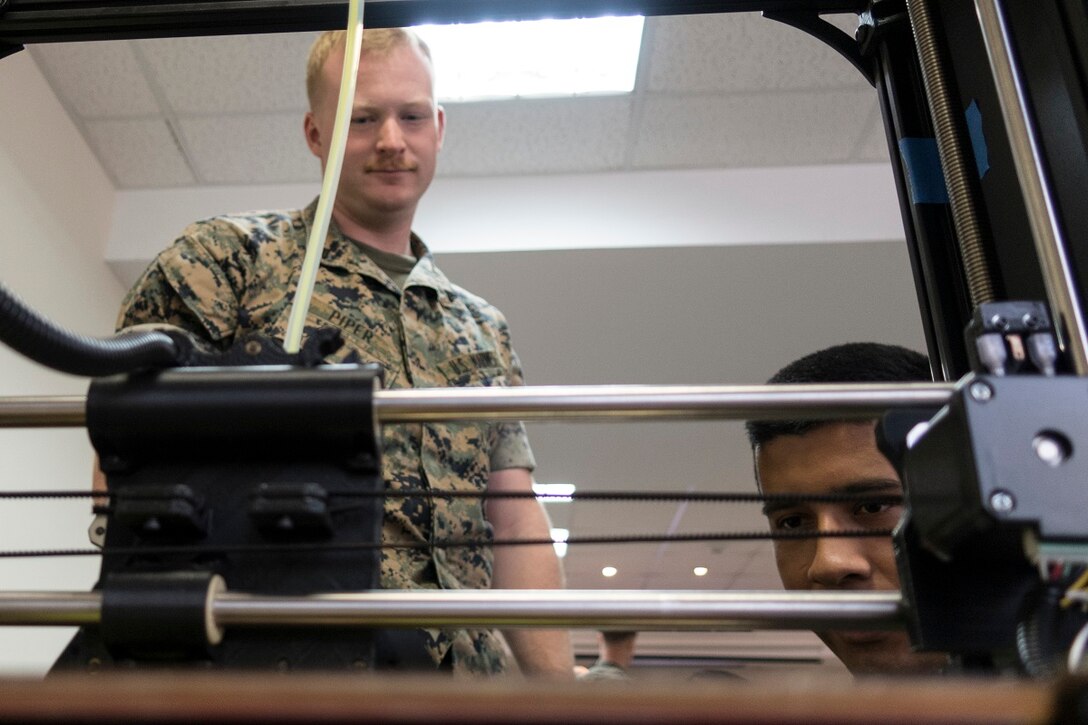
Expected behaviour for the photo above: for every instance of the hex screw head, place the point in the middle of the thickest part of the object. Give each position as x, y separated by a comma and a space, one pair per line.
980, 391
1002, 502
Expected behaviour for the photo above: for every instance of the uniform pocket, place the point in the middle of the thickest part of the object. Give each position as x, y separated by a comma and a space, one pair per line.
477, 369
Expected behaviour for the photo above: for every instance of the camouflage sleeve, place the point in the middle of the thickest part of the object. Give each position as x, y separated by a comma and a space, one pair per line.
151, 300
510, 448
186, 286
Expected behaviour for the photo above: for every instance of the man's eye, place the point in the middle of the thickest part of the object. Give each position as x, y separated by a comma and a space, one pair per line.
413, 117
359, 120
791, 521
873, 508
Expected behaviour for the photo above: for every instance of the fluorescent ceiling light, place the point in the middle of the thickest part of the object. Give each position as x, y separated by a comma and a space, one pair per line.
560, 536
532, 59
700, 571
554, 492
609, 571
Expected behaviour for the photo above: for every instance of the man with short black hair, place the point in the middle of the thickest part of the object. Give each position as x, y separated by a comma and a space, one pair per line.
840, 457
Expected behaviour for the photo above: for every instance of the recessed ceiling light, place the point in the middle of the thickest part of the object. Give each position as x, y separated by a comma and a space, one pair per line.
560, 536
700, 571
554, 492
526, 59
609, 571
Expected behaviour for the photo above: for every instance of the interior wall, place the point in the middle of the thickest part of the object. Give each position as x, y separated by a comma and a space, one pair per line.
647, 209
56, 203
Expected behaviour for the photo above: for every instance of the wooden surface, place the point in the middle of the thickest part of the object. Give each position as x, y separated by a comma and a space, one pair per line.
335, 698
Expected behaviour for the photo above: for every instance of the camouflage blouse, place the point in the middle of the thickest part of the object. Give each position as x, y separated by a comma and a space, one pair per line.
232, 275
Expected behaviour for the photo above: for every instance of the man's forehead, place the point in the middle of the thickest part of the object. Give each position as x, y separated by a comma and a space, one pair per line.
378, 91
422, 102
829, 456
887, 489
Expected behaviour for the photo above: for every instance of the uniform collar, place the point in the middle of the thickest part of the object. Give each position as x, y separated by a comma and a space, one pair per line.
340, 252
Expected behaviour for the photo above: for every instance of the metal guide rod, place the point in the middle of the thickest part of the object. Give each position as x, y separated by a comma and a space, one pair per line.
654, 402
56, 411
60, 609
1027, 157
565, 402
661, 610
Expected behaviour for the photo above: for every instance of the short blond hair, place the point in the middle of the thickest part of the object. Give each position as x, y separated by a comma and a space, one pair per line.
375, 40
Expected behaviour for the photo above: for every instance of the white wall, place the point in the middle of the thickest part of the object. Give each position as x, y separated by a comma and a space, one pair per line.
692, 208
56, 203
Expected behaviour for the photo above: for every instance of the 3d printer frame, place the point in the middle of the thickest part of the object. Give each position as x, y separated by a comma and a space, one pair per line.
985, 107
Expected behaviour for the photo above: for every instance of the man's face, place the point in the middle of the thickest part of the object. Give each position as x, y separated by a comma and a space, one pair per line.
396, 133
840, 458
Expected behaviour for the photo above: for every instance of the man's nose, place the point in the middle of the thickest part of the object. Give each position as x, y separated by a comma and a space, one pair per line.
840, 562
390, 137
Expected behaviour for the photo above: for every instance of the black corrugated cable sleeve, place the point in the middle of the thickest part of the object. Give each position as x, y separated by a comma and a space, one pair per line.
32, 335
1037, 634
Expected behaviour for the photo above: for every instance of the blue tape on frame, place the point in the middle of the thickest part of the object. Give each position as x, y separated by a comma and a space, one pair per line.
922, 164
978, 138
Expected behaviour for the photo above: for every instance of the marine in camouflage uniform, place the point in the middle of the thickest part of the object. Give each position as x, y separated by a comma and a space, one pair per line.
233, 275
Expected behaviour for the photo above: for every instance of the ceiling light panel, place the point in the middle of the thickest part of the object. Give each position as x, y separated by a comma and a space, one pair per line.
534, 59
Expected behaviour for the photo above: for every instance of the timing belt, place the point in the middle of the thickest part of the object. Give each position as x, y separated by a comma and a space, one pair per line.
649, 496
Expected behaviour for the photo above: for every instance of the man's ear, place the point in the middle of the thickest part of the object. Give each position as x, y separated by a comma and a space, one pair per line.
313, 135
441, 126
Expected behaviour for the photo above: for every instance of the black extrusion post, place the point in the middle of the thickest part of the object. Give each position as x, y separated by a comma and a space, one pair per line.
931, 242
1049, 39
1012, 255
